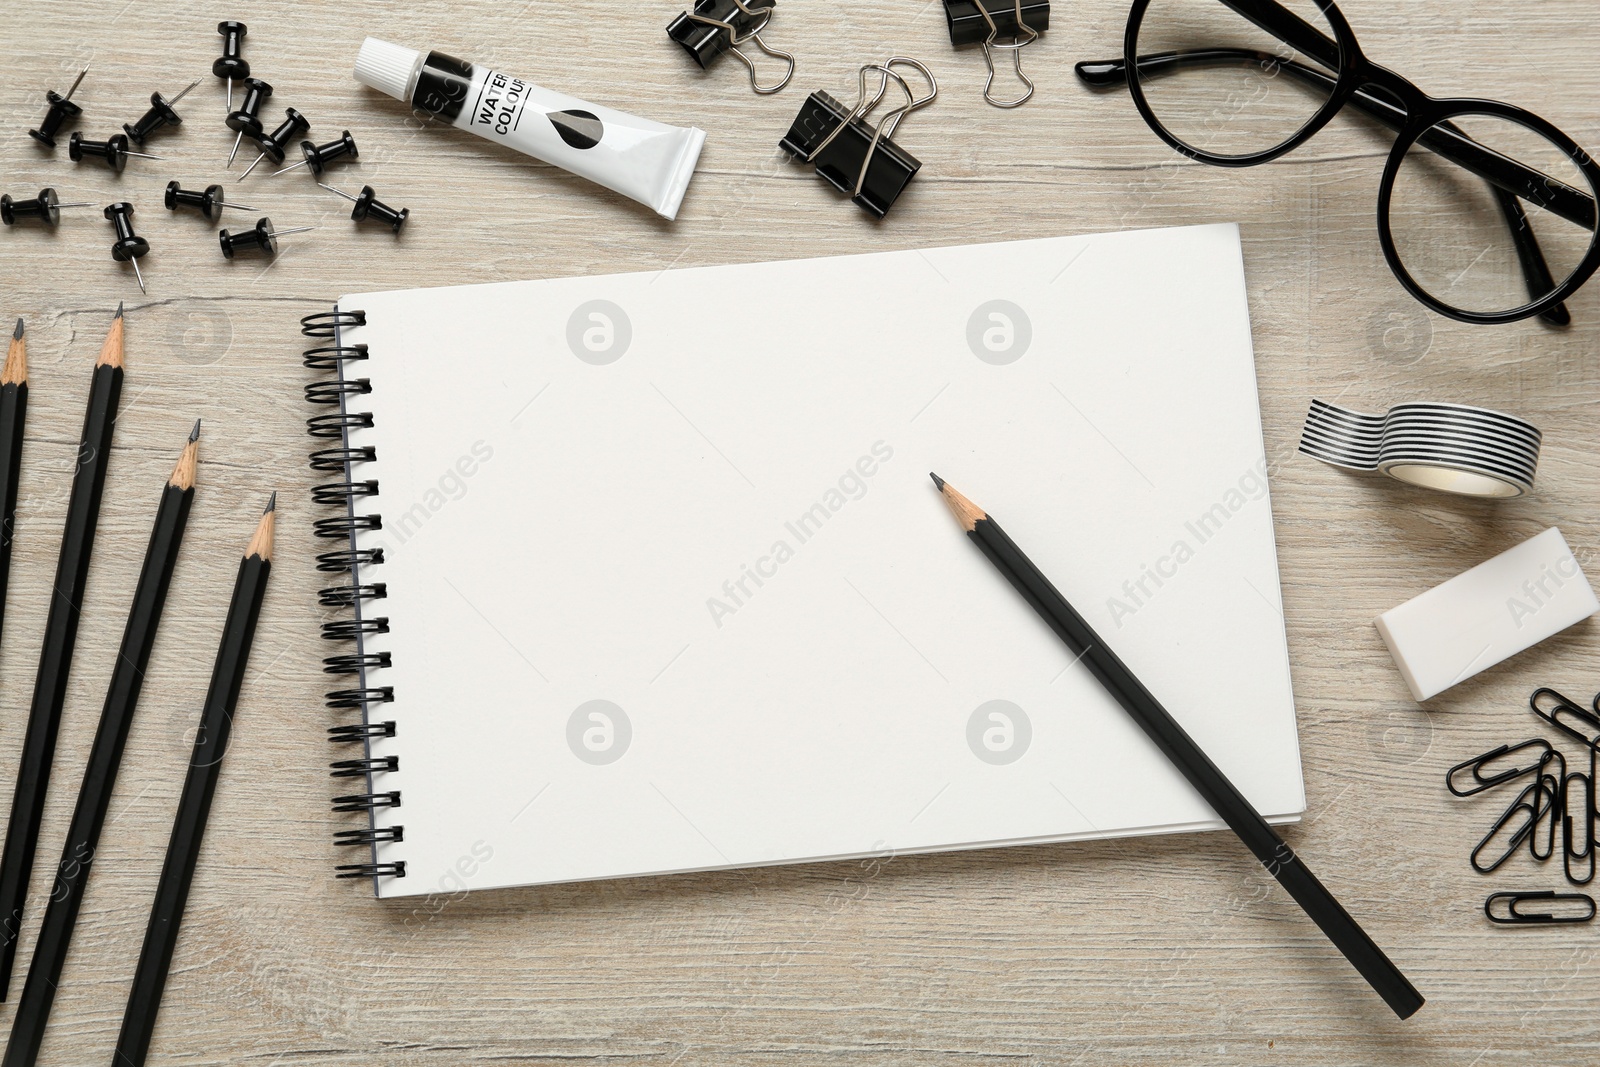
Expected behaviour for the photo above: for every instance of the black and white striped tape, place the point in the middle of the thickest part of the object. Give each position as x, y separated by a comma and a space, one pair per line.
1453, 447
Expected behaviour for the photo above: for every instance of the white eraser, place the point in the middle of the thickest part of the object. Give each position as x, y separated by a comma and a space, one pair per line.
1488, 614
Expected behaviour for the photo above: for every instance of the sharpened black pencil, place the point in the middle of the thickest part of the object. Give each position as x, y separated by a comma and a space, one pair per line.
194, 808
1185, 754
100, 776
13, 421
60, 637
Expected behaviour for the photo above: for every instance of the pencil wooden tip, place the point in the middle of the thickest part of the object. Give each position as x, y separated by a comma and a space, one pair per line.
183, 475
261, 543
16, 369
966, 512
194, 434
111, 351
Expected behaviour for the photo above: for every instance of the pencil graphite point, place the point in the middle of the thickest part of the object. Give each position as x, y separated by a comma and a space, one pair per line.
966, 512
16, 367
111, 351
937, 481
183, 474
261, 543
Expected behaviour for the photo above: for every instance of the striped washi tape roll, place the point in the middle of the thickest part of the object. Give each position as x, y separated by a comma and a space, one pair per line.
1453, 447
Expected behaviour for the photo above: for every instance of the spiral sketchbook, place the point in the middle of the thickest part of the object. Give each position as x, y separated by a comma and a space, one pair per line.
646, 574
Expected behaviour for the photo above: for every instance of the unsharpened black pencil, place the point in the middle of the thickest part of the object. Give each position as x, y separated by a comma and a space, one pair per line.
194, 808
1185, 754
60, 636
13, 420
100, 776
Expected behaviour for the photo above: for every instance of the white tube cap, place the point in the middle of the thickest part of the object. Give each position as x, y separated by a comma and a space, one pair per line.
386, 67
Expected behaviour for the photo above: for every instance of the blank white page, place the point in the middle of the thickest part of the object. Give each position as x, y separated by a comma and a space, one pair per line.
705, 505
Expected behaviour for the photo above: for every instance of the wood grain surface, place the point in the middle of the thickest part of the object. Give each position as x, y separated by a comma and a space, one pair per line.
1158, 951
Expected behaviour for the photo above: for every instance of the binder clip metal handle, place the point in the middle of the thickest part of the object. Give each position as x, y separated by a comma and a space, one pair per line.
1015, 48
972, 22
717, 26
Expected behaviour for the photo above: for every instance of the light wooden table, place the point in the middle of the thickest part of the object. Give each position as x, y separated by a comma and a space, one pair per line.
1168, 950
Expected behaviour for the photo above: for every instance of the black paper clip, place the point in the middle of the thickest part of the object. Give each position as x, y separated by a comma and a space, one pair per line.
1531, 800
1477, 765
974, 22
1568, 853
1513, 917
1552, 789
718, 26
1562, 705
857, 158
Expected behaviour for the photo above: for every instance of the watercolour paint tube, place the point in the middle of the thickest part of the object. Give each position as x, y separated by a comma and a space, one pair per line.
647, 161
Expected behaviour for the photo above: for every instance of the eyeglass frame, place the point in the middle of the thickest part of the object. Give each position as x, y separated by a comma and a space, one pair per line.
1419, 113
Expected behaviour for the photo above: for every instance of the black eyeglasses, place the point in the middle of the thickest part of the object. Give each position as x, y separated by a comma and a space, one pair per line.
1464, 184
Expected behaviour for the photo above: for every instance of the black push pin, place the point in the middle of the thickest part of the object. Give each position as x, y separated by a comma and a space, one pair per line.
368, 206
245, 120
319, 156
211, 202
159, 115
276, 143
231, 65
262, 237
45, 207
114, 152
128, 246
61, 109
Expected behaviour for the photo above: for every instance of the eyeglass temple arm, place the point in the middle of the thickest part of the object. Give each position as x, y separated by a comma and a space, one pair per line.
1535, 270
1450, 142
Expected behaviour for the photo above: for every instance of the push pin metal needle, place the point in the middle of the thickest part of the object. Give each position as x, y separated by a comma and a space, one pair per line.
76, 82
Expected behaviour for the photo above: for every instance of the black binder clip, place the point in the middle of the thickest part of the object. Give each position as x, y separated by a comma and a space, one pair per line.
985, 22
718, 26
857, 158
1582, 904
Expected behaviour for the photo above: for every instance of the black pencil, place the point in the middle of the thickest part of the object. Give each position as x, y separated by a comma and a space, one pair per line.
60, 635
13, 420
205, 767
1169, 736
100, 776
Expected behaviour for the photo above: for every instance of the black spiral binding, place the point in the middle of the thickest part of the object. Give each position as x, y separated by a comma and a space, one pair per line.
334, 426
